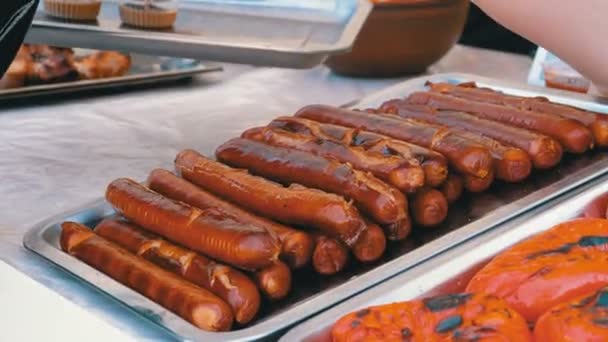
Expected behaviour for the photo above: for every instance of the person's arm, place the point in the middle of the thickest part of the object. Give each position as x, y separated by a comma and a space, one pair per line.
574, 30
15, 19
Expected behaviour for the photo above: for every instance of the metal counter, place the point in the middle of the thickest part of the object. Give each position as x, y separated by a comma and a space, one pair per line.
57, 155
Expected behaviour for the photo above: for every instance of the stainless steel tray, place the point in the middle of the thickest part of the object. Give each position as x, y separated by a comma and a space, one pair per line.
144, 70
469, 217
450, 271
230, 33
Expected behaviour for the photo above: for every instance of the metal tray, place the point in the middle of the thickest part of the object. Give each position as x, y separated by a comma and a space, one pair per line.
451, 271
468, 217
248, 34
144, 70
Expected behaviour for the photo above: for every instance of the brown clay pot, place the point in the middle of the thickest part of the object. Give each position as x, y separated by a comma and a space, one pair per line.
403, 37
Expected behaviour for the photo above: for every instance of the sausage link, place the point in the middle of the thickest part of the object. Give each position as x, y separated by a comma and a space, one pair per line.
544, 151
452, 188
296, 246
429, 207
297, 205
194, 304
382, 202
234, 287
434, 165
406, 175
274, 281
511, 164
464, 156
329, 256
573, 136
597, 123
371, 241
476, 184
204, 230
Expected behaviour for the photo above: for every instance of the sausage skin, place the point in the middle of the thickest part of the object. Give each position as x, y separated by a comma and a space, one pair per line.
597, 123
434, 165
234, 287
382, 202
544, 151
274, 281
204, 230
429, 207
296, 246
573, 136
452, 188
300, 206
194, 304
477, 184
329, 256
511, 164
464, 156
405, 174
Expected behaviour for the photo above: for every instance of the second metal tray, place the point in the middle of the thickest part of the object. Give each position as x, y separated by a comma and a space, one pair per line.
144, 70
471, 216
211, 31
451, 271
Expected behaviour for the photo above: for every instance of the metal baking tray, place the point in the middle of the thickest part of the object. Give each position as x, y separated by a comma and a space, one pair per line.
248, 34
144, 70
470, 216
451, 271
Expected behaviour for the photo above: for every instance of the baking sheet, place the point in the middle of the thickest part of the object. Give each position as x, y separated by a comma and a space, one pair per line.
144, 70
469, 217
247, 34
451, 271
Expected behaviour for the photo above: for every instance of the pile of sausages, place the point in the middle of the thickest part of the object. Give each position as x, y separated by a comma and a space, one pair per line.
212, 239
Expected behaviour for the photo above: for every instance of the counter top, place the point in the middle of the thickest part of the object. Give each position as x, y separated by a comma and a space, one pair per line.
58, 154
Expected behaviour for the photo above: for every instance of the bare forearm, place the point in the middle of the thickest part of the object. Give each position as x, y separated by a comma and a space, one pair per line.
573, 30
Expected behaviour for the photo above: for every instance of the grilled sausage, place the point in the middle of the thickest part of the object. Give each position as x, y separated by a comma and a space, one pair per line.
511, 164
234, 287
597, 123
477, 184
582, 319
464, 156
405, 174
297, 205
204, 230
544, 151
433, 164
429, 207
573, 136
383, 203
553, 267
296, 246
274, 281
329, 256
452, 188
454, 317
194, 304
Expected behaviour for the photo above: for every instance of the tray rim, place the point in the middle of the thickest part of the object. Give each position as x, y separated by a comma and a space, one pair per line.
316, 304
401, 282
295, 57
103, 83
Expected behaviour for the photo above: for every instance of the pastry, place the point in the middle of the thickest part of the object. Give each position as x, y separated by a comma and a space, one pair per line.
73, 9
153, 14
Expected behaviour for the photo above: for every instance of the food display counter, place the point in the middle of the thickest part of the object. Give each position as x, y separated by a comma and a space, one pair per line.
251, 202
44, 156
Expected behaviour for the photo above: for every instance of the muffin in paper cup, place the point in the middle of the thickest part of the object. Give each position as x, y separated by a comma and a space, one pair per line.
82, 10
149, 14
